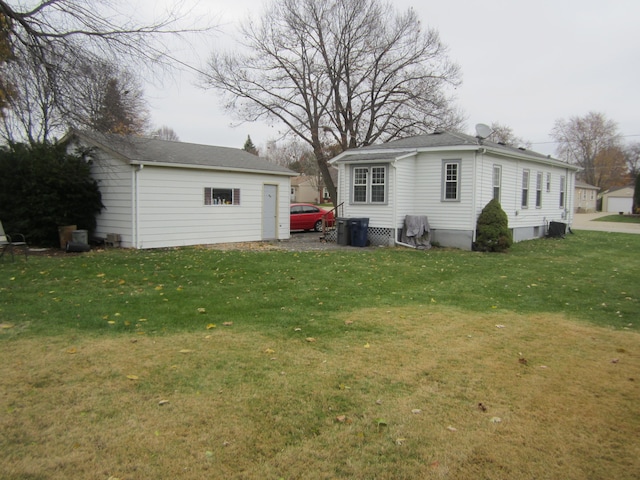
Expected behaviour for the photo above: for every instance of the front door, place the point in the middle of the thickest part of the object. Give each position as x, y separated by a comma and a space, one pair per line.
270, 212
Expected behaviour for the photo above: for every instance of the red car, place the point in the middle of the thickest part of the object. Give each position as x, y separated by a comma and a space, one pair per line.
305, 216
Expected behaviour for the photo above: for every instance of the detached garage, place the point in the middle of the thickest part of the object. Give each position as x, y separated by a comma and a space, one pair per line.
159, 193
618, 200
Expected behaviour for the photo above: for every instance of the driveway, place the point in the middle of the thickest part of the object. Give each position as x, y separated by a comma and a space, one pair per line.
585, 221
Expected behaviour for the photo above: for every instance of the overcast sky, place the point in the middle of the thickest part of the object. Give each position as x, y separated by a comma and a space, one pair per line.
524, 65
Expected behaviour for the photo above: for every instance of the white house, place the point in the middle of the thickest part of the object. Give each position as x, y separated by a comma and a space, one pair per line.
586, 197
450, 177
159, 193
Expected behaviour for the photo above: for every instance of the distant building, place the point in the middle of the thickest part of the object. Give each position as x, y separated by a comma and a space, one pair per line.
586, 198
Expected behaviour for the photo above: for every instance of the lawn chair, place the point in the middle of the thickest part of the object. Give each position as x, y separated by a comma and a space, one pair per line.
8, 244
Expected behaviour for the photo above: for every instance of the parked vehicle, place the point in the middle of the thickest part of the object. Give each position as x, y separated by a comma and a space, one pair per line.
305, 216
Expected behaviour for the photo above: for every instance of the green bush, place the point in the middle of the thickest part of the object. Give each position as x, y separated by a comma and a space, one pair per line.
492, 229
42, 187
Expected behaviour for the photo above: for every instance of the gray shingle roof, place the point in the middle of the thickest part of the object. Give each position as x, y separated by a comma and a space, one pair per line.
153, 151
433, 141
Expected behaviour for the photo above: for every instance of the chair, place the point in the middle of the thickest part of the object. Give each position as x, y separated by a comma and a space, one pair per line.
8, 244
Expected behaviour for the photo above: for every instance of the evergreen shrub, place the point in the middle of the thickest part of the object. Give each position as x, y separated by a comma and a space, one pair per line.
492, 229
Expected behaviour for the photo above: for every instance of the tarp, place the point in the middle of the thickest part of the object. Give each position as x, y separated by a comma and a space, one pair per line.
416, 231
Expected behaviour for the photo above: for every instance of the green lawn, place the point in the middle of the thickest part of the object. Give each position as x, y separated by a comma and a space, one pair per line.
619, 219
588, 276
377, 363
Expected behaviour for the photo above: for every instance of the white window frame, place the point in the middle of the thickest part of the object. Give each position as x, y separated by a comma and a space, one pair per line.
497, 182
368, 178
526, 178
451, 180
538, 189
548, 182
563, 187
221, 196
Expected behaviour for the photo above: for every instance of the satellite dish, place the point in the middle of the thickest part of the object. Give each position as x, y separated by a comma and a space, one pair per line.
483, 131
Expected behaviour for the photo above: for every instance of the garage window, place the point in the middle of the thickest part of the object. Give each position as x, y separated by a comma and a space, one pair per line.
221, 196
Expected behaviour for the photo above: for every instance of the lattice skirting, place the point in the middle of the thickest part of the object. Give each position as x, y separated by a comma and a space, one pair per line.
375, 236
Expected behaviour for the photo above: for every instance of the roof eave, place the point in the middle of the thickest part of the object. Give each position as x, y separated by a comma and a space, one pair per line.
210, 167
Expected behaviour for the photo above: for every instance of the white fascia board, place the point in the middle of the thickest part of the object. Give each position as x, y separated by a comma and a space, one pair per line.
209, 167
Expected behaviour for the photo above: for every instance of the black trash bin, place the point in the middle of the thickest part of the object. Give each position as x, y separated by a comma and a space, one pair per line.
557, 229
343, 231
359, 231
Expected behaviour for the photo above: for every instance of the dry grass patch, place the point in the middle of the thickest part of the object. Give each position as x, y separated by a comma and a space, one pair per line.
398, 393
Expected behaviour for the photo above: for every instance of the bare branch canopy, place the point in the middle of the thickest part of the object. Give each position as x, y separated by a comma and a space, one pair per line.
338, 74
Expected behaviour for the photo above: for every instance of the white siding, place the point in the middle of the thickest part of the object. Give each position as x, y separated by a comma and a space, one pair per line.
416, 185
171, 209
378, 215
114, 178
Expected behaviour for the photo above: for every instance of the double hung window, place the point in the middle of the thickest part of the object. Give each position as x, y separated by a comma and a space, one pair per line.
451, 180
525, 189
369, 184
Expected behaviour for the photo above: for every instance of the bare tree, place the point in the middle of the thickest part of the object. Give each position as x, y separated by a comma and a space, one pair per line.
632, 157
588, 142
338, 74
60, 37
165, 133
504, 134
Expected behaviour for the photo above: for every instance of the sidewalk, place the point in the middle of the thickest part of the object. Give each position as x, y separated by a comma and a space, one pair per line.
585, 221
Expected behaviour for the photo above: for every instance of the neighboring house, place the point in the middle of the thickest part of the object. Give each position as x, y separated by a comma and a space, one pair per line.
310, 188
449, 178
586, 197
159, 193
305, 189
618, 200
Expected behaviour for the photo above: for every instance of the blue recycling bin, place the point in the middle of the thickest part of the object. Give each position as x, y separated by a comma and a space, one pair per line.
359, 228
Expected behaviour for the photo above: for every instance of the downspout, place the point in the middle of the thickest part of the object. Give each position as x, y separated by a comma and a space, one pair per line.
136, 206
474, 199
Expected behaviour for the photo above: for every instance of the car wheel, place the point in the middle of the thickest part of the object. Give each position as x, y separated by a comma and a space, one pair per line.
318, 226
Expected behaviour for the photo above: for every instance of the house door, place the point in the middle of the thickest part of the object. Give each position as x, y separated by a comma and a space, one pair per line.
270, 212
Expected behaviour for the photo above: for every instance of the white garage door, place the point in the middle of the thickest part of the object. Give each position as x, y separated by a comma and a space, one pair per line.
619, 204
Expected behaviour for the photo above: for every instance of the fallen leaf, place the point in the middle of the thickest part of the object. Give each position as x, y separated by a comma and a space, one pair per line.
202, 310
452, 429
72, 350
615, 360
269, 350
341, 418
416, 411
366, 345
186, 350
310, 339
227, 324
210, 326
482, 407
163, 402
298, 329
6, 325
348, 322
400, 441
496, 420
499, 326
132, 377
